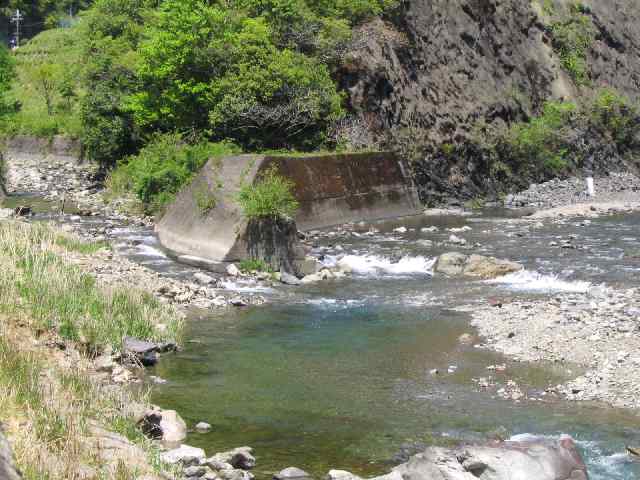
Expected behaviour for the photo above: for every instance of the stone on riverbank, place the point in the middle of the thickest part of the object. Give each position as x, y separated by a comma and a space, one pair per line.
292, 473
185, 454
165, 425
532, 458
456, 264
240, 457
8, 470
203, 427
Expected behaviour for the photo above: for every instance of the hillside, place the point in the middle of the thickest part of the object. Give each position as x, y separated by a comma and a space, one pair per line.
482, 96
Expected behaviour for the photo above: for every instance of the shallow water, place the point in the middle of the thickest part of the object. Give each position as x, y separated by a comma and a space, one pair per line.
337, 375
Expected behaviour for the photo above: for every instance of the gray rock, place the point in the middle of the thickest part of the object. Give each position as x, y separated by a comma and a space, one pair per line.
308, 266
8, 470
184, 454
291, 473
241, 458
455, 264
233, 271
165, 425
238, 302
203, 427
451, 263
235, 474
528, 459
203, 278
342, 475
289, 279
194, 471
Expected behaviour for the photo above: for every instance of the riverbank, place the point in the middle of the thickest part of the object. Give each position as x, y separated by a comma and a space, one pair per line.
596, 331
62, 410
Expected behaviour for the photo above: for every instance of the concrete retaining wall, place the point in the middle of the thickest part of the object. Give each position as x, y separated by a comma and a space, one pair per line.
60, 147
331, 189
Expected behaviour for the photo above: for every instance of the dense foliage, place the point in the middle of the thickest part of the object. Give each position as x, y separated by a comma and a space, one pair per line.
166, 163
573, 35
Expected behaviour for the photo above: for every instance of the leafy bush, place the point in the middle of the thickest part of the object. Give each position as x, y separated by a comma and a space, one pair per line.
254, 265
164, 166
7, 72
615, 115
270, 196
572, 39
541, 143
210, 68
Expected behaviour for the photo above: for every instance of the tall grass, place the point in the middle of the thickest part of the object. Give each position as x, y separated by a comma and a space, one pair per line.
54, 407
35, 278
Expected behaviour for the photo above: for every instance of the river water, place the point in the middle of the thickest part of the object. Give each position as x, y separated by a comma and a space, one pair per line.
340, 374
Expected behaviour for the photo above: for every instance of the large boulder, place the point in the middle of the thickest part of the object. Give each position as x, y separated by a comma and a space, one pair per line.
479, 266
165, 425
451, 263
532, 458
489, 267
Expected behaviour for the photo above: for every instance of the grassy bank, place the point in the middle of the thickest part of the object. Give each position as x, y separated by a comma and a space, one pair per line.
58, 411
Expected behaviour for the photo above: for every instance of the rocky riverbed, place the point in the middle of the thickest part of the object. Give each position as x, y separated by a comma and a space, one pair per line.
616, 188
596, 331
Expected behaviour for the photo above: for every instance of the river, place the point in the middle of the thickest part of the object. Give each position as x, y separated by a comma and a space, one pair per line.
341, 374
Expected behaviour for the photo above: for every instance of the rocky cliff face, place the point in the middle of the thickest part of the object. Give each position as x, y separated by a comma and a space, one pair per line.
451, 68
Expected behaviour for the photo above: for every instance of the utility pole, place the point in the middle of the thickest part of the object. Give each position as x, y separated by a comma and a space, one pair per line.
17, 18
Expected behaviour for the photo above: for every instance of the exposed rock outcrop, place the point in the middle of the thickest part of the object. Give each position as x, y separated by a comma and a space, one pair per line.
446, 71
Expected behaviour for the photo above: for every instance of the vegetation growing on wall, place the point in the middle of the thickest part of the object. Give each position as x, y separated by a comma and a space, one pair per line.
270, 196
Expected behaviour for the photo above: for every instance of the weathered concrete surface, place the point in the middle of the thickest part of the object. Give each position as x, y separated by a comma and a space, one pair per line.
331, 189
59, 147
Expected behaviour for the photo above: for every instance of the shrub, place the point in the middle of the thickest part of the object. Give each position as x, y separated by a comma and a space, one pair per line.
540, 143
270, 196
164, 166
210, 68
614, 114
572, 39
254, 265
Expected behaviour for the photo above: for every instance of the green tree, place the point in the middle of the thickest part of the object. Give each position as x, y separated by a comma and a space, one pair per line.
211, 68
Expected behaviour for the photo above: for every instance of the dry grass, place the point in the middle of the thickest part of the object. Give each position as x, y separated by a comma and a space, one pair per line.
60, 415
